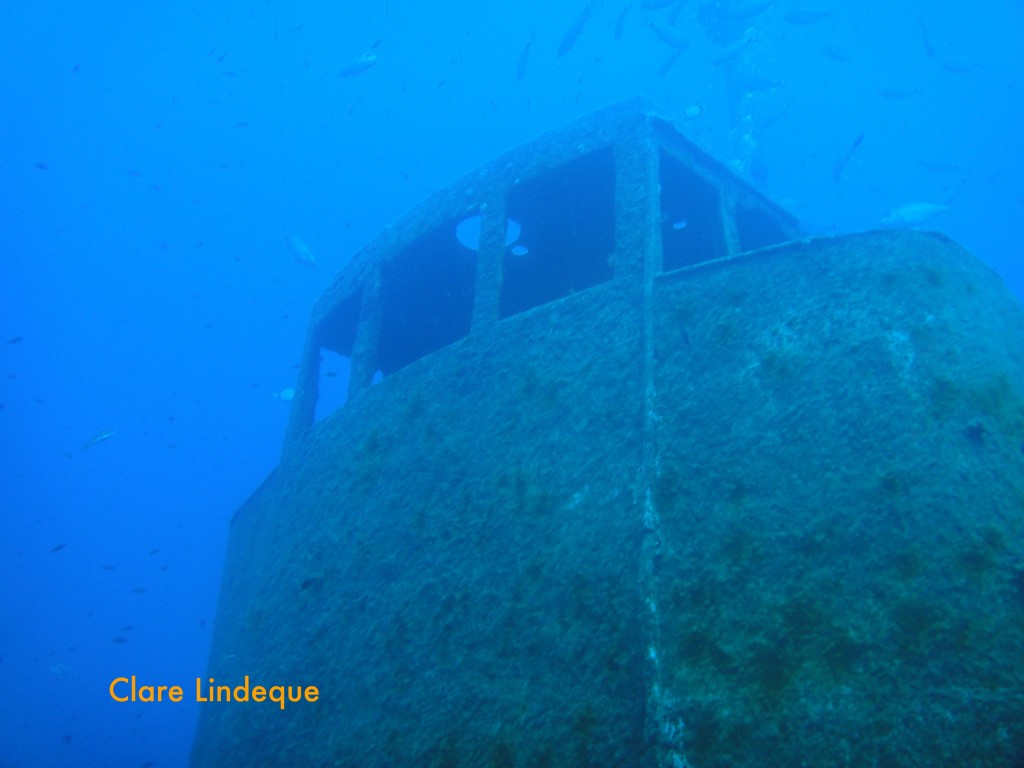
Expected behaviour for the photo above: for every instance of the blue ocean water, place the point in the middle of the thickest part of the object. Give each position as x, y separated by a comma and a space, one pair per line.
170, 172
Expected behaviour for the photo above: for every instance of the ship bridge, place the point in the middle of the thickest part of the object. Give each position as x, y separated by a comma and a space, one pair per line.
630, 473
613, 200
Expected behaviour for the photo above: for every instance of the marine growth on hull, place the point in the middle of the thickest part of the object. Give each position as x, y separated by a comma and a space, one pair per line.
626, 471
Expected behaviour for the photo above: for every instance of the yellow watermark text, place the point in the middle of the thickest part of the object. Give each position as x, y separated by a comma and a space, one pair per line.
129, 689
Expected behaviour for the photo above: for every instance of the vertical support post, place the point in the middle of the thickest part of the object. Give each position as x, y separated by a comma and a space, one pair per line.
489, 262
637, 213
364, 351
307, 391
732, 236
639, 188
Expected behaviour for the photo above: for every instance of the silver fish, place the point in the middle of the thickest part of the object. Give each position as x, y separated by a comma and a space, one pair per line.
358, 66
911, 215
668, 35
573, 32
915, 214
98, 438
302, 253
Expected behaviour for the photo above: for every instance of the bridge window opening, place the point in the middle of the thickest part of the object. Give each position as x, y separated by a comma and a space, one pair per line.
334, 378
337, 335
757, 228
564, 232
691, 216
426, 298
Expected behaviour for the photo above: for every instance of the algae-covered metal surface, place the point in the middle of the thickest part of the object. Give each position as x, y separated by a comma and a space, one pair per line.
761, 507
841, 495
450, 582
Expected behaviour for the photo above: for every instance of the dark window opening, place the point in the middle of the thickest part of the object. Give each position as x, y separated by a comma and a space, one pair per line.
337, 338
426, 298
337, 332
691, 217
566, 232
757, 228
334, 377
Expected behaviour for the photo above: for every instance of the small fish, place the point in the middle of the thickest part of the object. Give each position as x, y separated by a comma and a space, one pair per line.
668, 35
524, 58
674, 13
120, 640
620, 21
98, 438
837, 169
358, 66
837, 54
959, 64
914, 214
301, 251
667, 64
57, 548
576, 28
730, 52
15, 339
41, 166
929, 49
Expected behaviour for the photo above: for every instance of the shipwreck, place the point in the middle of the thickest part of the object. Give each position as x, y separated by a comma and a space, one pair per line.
632, 473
